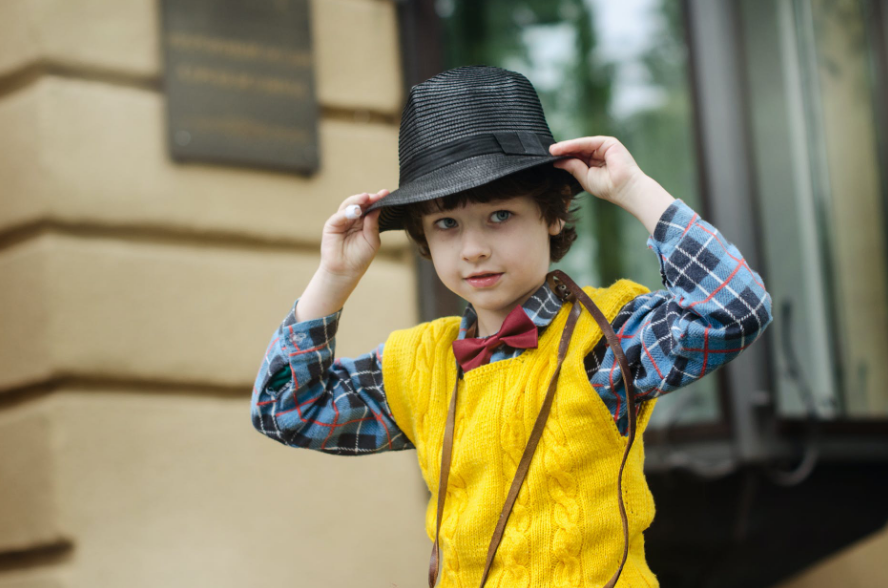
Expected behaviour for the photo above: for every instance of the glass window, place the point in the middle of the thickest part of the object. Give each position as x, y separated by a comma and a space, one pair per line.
822, 202
601, 68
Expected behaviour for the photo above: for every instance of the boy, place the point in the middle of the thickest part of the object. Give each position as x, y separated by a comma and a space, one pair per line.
521, 410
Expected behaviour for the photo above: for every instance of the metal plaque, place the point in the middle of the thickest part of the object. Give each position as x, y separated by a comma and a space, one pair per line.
240, 83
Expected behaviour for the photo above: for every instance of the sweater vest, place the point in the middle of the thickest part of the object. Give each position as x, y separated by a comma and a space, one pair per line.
565, 527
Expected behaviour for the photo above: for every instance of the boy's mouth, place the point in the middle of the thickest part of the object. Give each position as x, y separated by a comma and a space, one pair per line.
484, 280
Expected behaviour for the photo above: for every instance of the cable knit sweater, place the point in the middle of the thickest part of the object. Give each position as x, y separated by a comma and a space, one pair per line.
565, 527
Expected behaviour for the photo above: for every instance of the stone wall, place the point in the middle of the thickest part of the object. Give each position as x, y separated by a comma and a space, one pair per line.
137, 298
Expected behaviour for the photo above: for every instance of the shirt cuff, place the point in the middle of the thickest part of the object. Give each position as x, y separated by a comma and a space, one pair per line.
310, 333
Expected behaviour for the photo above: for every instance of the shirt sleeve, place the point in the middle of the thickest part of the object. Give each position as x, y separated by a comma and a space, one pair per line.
714, 306
305, 397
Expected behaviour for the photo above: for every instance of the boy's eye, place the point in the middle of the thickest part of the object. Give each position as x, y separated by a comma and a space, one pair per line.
500, 216
445, 223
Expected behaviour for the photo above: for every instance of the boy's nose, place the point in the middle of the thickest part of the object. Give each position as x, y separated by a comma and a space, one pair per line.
474, 246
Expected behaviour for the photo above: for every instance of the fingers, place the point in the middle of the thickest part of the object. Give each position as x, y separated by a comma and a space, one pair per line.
363, 199
593, 178
351, 210
575, 167
356, 199
595, 146
371, 225
340, 223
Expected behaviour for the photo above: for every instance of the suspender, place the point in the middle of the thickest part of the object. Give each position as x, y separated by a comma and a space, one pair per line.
567, 290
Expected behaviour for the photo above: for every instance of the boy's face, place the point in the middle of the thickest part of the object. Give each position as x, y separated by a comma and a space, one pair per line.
506, 241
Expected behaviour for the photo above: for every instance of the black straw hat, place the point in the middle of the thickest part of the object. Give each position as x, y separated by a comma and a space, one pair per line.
464, 128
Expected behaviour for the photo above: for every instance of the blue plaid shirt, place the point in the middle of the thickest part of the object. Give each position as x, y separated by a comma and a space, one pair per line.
714, 306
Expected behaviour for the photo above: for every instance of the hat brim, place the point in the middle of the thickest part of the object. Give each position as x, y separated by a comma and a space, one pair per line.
457, 177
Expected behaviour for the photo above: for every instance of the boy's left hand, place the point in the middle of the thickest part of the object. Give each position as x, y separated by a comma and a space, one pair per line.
606, 169
602, 165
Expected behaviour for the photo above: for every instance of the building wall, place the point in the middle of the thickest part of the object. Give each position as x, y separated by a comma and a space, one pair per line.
137, 298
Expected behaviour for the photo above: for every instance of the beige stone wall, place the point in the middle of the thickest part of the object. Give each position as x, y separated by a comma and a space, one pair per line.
137, 299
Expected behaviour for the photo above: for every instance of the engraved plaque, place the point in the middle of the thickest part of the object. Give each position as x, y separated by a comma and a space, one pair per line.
239, 82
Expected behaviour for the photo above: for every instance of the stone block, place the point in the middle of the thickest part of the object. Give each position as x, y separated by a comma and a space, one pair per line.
164, 489
18, 45
22, 196
25, 344
170, 312
29, 510
95, 154
33, 579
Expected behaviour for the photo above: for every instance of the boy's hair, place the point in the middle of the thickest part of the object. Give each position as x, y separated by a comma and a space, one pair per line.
551, 194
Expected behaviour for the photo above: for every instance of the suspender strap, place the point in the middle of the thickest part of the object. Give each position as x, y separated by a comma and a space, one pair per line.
568, 291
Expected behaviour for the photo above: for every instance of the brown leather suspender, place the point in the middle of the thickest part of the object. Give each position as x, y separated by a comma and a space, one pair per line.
568, 291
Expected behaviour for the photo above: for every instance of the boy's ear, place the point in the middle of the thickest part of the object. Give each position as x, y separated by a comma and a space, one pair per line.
556, 227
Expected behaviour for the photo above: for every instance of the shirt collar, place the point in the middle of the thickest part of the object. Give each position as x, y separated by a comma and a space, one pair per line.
541, 308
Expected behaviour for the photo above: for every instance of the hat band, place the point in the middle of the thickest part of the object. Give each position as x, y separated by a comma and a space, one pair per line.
508, 142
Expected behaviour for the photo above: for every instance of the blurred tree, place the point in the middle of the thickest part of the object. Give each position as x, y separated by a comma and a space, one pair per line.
661, 136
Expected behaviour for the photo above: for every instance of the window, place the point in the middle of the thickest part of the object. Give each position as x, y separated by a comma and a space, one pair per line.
813, 69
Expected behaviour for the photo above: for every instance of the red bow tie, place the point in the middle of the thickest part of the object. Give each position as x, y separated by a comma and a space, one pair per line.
517, 331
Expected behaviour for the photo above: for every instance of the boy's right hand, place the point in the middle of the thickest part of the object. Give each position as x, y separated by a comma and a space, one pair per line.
349, 245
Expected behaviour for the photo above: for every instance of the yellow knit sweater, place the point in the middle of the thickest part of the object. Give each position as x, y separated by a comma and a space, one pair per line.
565, 527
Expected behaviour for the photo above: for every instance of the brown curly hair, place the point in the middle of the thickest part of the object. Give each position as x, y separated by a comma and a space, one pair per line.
550, 191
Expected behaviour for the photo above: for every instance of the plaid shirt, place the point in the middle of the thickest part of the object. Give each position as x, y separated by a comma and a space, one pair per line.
713, 307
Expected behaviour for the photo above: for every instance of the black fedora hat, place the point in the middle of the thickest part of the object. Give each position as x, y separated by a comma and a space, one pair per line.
464, 128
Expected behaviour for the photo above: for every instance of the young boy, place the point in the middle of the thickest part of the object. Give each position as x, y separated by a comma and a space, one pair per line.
522, 409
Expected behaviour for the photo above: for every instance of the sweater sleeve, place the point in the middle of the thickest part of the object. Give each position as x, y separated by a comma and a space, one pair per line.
713, 307
305, 397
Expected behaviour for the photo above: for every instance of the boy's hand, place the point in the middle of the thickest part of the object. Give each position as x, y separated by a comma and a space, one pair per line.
606, 169
602, 165
348, 245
